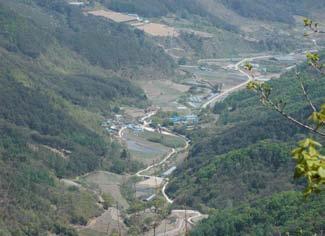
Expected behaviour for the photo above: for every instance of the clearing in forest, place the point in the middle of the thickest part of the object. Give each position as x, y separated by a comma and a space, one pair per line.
108, 183
143, 150
154, 29
112, 15
158, 30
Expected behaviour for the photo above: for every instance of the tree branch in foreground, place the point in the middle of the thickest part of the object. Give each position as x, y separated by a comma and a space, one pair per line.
305, 92
265, 90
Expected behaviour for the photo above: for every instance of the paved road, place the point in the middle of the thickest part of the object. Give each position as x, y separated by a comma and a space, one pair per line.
194, 214
225, 93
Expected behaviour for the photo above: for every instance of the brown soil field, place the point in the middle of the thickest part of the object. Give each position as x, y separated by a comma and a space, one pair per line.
105, 224
108, 183
159, 30
154, 29
133, 112
153, 182
173, 225
163, 93
112, 15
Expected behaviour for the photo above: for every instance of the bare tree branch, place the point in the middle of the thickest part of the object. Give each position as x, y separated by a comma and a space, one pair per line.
305, 92
318, 68
288, 117
298, 122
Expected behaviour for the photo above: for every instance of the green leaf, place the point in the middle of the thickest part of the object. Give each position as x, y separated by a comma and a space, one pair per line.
321, 172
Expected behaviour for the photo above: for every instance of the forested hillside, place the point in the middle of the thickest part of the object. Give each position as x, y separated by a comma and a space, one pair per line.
286, 212
111, 45
274, 10
235, 26
246, 158
156, 8
59, 76
63, 71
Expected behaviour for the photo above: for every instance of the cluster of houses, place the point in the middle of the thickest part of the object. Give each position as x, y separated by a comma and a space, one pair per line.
188, 119
115, 124
135, 128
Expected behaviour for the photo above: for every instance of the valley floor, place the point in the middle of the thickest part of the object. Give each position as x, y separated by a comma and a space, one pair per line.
159, 158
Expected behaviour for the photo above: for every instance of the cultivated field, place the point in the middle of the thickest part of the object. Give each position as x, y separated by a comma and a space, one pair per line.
158, 30
108, 183
112, 15
106, 224
173, 225
133, 113
153, 182
163, 93
143, 150
228, 78
154, 29
166, 140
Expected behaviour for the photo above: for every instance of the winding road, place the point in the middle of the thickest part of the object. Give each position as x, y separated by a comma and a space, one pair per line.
145, 125
194, 214
225, 93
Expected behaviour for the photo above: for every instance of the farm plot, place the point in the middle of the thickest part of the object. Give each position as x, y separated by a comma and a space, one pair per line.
107, 183
133, 113
143, 150
112, 15
153, 29
108, 223
164, 93
158, 30
228, 78
166, 140
173, 225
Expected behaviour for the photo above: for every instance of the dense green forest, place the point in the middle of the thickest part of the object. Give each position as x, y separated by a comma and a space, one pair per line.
245, 158
59, 77
274, 10
111, 45
286, 212
155, 8
62, 72
232, 22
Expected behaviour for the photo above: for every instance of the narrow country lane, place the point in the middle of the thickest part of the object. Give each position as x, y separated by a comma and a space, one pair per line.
225, 93
194, 214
